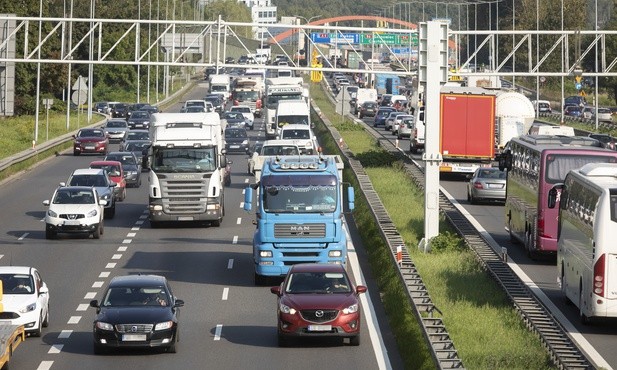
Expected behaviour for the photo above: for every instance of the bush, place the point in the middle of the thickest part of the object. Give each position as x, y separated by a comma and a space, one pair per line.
447, 241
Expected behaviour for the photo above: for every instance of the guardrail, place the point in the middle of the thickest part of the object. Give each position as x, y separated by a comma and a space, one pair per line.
22, 156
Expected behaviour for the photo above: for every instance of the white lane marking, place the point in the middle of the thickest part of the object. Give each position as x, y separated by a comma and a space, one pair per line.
225, 294
122, 249
239, 221
246, 181
65, 334
1, 255
597, 359
230, 264
135, 228
116, 256
45, 365
104, 274
90, 295
98, 284
379, 347
127, 241
235, 240
144, 215
23, 236
74, 320
55, 349
131, 235
242, 205
140, 222
217, 332
110, 265
243, 190
82, 307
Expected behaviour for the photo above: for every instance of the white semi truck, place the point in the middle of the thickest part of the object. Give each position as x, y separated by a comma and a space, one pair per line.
188, 165
277, 89
514, 115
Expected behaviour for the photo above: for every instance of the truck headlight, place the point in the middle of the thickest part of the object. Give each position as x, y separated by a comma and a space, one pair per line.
335, 254
245, 142
265, 254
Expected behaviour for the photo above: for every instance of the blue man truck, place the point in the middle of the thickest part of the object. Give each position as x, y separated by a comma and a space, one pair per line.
299, 211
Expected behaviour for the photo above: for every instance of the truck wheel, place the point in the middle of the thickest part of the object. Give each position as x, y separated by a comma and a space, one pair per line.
584, 319
260, 280
413, 149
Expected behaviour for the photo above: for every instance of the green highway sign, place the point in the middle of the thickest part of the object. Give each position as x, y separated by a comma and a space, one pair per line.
388, 39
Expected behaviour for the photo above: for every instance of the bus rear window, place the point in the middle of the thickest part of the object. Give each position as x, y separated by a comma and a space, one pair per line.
613, 193
558, 165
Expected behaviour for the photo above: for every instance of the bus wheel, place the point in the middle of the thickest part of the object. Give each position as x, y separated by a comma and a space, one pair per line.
563, 287
528, 246
584, 319
513, 240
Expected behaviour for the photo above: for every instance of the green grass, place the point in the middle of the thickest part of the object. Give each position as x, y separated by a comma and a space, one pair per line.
485, 328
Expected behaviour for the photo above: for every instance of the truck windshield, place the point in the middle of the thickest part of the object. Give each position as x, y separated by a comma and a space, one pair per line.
299, 199
184, 160
246, 95
273, 100
218, 88
288, 120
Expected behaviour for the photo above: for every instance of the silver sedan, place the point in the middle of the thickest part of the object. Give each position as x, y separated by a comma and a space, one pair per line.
486, 184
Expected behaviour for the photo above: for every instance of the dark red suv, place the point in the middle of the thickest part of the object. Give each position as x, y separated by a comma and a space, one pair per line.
318, 300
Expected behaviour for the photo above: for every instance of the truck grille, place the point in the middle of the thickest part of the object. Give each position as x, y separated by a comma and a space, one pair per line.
319, 316
184, 196
299, 230
134, 328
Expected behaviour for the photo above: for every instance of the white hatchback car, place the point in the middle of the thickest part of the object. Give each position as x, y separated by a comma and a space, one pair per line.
25, 298
249, 118
74, 209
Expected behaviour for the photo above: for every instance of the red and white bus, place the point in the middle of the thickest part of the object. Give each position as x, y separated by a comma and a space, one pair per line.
535, 163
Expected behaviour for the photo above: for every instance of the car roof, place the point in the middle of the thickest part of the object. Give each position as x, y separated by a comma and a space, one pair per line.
120, 153
239, 106
88, 171
105, 163
137, 280
296, 126
16, 269
317, 267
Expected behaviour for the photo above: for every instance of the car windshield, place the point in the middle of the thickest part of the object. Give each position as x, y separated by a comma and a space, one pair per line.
132, 135
291, 119
197, 103
88, 180
235, 134
73, 196
155, 296
137, 147
116, 124
234, 115
140, 114
317, 283
17, 284
122, 158
91, 133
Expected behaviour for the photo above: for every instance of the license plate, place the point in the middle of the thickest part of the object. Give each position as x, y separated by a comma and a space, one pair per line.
133, 337
185, 218
71, 222
234, 146
91, 147
320, 327
495, 186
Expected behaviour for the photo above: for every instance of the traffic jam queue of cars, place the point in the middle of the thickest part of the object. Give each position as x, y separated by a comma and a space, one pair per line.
313, 300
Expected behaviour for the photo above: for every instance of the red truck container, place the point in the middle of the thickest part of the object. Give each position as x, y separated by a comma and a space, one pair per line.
467, 119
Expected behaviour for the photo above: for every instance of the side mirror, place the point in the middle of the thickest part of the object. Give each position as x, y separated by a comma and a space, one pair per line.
46, 203
276, 290
179, 303
94, 303
553, 195
103, 202
62, 184
44, 289
360, 289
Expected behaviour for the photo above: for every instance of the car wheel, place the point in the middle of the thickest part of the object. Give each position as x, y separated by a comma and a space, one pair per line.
468, 196
46, 319
413, 149
283, 341
354, 341
75, 152
98, 349
123, 194
97, 233
37, 332
50, 234
472, 199
102, 227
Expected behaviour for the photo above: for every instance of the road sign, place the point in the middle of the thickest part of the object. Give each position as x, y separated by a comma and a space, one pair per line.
578, 79
81, 83
578, 85
79, 97
389, 39
48, 103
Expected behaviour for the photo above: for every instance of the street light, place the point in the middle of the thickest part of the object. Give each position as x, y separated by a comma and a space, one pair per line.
307, 51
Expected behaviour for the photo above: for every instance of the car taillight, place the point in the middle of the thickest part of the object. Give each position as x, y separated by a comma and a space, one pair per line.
540, 224
236, 102
598, 276
258, 104
477, 185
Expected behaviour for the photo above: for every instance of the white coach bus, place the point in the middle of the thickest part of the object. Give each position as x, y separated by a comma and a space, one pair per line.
586, 248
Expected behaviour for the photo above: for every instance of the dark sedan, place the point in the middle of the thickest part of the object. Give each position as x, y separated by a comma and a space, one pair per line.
130, 165
90, 140
139, 119
216, 101
318, 300
136, 311
120, 110
367, 109
139, 148
236, 140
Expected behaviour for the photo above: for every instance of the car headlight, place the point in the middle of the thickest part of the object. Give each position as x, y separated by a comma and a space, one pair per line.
106, 196
29, 308
77, 142
287, 309
131, 122
351, 309
104, 326
245, 142
51, 213
163, 325
92, 213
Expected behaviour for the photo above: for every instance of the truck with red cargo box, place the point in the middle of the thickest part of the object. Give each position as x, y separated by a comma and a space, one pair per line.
467, 119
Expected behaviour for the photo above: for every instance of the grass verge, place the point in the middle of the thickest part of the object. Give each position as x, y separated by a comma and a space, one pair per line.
487, 331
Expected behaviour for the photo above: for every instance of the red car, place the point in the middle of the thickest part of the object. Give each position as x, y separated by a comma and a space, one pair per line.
90, 140
116, 174
318, 300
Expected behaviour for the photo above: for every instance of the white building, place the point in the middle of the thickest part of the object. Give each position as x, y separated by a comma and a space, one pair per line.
262, 11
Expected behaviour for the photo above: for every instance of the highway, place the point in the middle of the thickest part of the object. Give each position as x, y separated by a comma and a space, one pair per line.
226, 323
596, 340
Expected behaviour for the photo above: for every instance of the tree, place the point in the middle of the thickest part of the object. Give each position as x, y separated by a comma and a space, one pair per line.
230, 11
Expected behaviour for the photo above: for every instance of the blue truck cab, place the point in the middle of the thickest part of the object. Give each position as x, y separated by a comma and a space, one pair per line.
299, 213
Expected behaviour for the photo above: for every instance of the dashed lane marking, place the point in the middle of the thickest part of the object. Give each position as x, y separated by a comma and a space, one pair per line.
45, 365
116, 256
110, 265
225, 294
90, 295
82, 307
122, 249
230, 264
74, 320
239, 221
98, 284
55, 349
241, 205
23, 236
104, 274
235, 240
64, 334
217, 332
127, 241
131, 235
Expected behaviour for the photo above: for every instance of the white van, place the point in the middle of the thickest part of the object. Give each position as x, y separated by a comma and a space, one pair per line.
551, 130
586, 251
292, 112
416, 140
